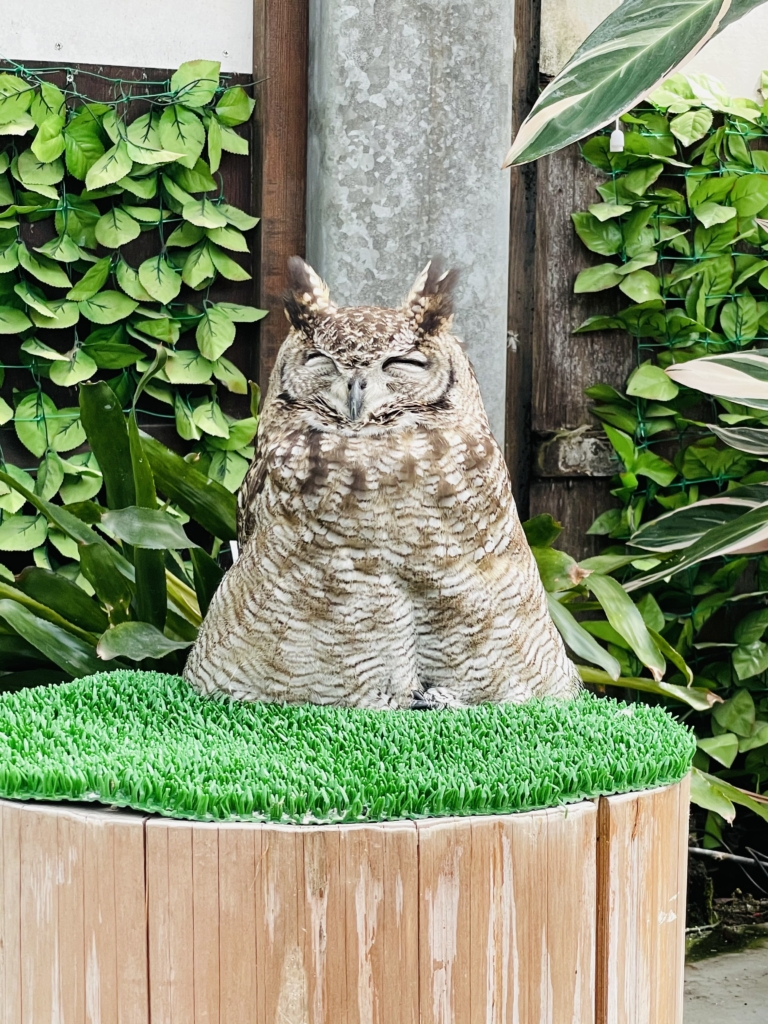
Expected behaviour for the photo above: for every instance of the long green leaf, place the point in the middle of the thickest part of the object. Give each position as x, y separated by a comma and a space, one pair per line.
713, 794
582, 643
696, 697
69, 652
137, 641
148, 528
42, 611
627, 620
60, 594
105, 428
636, 46
99, 566
206, 501
682, 527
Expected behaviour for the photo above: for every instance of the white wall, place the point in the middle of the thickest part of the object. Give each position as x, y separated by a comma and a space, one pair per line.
131, 33
736, 56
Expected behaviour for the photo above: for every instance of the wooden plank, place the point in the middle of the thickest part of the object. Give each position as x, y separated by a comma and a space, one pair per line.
683, 829
71, 882
522, 258
575, 503
130, 909
401, 922
205, 891
239, 867
10, 913
492, 911
39, 917
640, 906
445, 857
280, 63
325, 926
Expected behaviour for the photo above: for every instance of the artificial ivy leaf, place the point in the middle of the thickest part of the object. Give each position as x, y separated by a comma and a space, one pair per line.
215, 333
229, 375
750, 194
196, 81
116, 228
82, 142
108, 348
22, 533
241, 314
185, 425
691, 126
12, 320
597, 279
63, 314
50, 476
146, 214
113, 125
241, 433
48, 102
10, 499
639, 180
32, 171
713, 213
238, 218
175, 194
143, 141
78, 220
69, 431
78, 367
211, 420
163, 329
159, 279
228, 238
33, 297
198, 267
9, 258
185, 235
143, 188
181, 131
235, 106
62, 248
739, 319
109, 168
107, 307
34, 347
203, 213
196, 179
91, 281
640, 286
128, 279
650, 381
82, 486
186, 366
6, 197
232, 142
214, 144
42, 268
48, 144
20, 126
226, 266
228, 469
15, 97
6, 412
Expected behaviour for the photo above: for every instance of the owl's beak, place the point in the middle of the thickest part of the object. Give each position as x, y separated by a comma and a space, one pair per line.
355, 401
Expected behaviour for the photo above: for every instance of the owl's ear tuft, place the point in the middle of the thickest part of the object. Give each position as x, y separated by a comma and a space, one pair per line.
430, 301
306, 298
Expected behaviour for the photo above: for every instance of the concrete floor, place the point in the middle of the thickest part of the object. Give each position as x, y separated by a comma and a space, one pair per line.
728, 989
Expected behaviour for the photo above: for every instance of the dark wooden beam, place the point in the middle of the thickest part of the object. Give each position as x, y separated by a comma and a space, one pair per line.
280, 64
522, 257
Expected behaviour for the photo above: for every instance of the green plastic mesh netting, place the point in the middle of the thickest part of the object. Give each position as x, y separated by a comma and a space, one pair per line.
147, 741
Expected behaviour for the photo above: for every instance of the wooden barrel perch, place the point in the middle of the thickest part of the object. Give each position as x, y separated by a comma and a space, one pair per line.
574, 914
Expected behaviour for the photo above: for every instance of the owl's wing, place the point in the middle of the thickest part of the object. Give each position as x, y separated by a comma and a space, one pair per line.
249, 491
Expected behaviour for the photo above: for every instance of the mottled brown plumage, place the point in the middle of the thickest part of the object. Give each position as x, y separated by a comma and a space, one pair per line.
382, 561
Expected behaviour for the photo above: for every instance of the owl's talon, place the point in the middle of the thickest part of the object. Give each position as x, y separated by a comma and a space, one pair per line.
436, 698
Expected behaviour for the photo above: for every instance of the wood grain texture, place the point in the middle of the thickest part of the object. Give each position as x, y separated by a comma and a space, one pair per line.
522, 258
280, 60
575, 503
642, 850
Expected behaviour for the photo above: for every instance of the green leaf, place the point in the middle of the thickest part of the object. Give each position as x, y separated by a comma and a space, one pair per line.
146, 528
187, 366
10, 499
627, 621
77, 488
159, 279
185, 425
128, 279
203, 213
42, 268
13, 320
48, 102
69, 431
542, 530
181, 131
163, 329
50, 476
68, 599
22, 533
34, 421
723, 748
229, 375
739, 319
691, 126
78, 367
241, 434
15, 97
627, 55
137, 641
107, 434
80, 221
107, 307
750, 194
206, 501
231, 142
640, 286
207, 575
229, 468
209, 417
228, 238
92, 280
713, 213
597, 279
109, 168
694, 696
238, 218
197, 179
82, 142
235, 107
580, 641
226, 266
116, 228
9, 258
708, 792
214, 144
63, 314
33, 172
186, 235
63, 249
144, 144
198, 267
69, 652
144, 187
757, 738
49, 144
650, 381
98, 565
196, 81
215, 333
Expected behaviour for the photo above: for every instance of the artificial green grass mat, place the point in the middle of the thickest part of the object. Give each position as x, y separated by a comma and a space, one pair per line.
148, 741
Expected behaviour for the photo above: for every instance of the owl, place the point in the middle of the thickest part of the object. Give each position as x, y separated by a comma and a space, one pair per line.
382, 562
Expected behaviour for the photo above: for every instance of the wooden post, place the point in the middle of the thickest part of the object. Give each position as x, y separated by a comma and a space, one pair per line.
280, 41
569, 914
